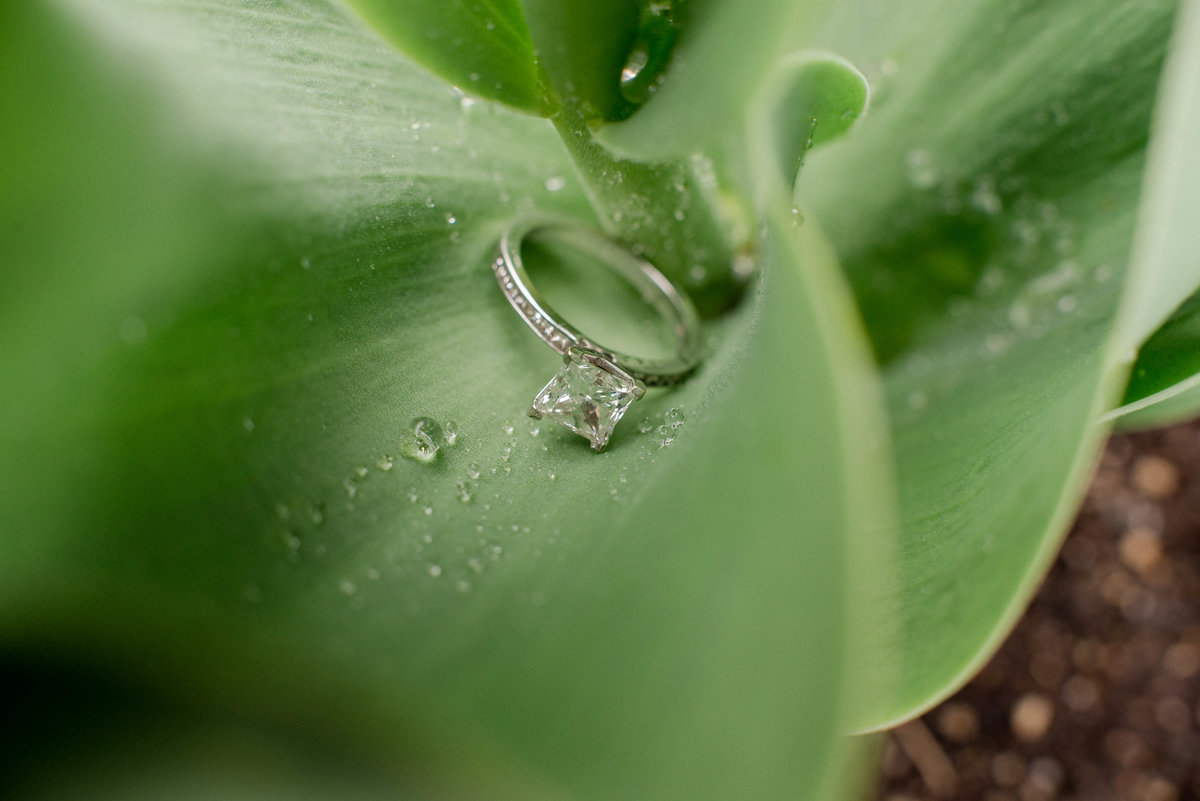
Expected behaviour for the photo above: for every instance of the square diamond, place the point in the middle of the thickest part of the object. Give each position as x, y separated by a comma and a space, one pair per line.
588, 395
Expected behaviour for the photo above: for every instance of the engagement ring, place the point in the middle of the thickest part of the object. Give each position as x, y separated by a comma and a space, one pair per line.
594, 387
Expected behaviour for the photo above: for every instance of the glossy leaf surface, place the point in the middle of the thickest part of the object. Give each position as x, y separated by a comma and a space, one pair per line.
272, 269
583, 49
985, 217
482, 46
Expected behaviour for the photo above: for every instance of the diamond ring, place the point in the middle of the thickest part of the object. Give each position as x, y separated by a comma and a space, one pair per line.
595, 385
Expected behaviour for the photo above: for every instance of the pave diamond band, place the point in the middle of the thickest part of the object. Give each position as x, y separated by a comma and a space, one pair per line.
595, 386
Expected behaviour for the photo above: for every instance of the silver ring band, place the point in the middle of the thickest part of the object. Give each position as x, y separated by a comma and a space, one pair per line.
655, 288
594, 387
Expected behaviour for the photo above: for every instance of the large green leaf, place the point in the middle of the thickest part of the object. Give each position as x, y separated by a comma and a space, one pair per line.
984, 215
482, 46
248, 246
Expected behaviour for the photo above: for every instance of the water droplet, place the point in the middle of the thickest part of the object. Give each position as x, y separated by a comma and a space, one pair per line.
347, 587
451, 219
423, 443
556, 183
666, 435
434, 570
305, 262
450, 432
997, 343
385, 463
428, 510
923, 173
1067, 303
462, 491
283, 511
1064, 275
1020, 316
674, 417
646, 426
429, 204
350, 487
462, 585
412, 495
985, 197
316, 513
652, 48
508, 427
247, 424
473, 471
361, 471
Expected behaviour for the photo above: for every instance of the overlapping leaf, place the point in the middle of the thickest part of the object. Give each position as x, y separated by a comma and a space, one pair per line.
985, 217
251, 245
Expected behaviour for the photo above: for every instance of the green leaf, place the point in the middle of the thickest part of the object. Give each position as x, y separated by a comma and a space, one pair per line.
984, 215
723, 53
583, 48
237, 280
482, 47
824, 96
1162, 383
1175, 405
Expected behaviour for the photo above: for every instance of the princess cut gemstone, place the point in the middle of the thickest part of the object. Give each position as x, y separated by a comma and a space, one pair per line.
588, 395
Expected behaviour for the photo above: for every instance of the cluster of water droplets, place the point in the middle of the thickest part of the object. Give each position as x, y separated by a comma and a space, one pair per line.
454, 526
1037, 272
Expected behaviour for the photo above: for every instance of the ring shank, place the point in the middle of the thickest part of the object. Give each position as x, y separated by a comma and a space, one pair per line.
654, 287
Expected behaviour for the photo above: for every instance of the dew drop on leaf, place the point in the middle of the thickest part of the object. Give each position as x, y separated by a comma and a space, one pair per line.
923, 173
423, 443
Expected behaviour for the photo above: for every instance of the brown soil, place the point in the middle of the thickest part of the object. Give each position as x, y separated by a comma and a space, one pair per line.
1096, 694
